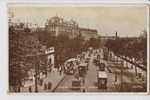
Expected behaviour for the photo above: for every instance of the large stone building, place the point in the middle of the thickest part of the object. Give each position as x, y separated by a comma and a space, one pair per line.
57, 26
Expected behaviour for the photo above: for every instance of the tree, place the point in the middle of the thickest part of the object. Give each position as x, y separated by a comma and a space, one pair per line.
21, 45
129, 47
94, 42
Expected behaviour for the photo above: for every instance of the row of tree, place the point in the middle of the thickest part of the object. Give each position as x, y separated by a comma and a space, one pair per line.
130, 47
66, 47
24, 47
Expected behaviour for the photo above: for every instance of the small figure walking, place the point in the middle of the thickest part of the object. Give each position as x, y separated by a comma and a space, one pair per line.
45, 86
84, 90
115, 77
30, 89
60, 69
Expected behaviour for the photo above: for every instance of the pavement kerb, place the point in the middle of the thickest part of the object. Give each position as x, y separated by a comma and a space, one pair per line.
53, 90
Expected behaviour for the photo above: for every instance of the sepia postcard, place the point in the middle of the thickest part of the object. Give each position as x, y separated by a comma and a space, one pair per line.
78, 48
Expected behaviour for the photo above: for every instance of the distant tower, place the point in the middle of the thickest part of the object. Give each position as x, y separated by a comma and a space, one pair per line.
116, 35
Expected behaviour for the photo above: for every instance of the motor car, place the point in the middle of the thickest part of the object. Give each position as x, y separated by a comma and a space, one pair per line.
76, 84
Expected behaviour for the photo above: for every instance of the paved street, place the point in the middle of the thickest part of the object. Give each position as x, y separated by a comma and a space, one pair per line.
117, 80
113, 81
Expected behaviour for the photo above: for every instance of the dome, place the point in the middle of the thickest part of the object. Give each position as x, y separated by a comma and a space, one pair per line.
56, 20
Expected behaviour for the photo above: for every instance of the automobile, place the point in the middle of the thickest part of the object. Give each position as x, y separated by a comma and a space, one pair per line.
70, 72
102, 80
87, 59
76, 84
95, 61
98, 57
101, 66
82, 68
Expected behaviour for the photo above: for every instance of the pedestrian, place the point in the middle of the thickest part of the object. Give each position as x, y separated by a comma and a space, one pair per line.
45, 86
84, 90
49, 85
41, 82
115, 77
30, 89
46, 74
63, 68
50, 67
60, 70
77, 75
116, 85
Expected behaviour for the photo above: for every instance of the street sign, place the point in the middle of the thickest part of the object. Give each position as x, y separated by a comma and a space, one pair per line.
50, 50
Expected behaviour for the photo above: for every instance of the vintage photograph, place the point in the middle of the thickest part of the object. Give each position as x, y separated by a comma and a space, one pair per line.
77, 48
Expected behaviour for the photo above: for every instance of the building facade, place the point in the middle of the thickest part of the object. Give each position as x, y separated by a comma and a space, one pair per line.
50, 52
56, 26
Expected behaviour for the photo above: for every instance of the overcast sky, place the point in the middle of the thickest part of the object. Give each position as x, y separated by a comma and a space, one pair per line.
126, 20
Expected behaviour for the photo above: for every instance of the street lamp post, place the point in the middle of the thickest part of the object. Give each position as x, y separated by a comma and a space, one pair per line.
36, 78
121, 69
36, 66
121, 79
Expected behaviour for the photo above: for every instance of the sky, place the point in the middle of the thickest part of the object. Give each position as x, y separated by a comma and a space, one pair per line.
126, 20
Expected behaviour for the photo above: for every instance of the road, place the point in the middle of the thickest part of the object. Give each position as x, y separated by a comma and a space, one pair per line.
90, 81
113, 82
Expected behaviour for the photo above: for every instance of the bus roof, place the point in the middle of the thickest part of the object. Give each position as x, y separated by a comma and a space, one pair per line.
102, 74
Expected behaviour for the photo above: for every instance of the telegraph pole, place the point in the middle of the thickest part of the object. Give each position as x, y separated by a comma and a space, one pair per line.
121, 78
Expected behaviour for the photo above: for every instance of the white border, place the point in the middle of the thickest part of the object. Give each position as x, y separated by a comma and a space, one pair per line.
79, 1
148, 64
98, 4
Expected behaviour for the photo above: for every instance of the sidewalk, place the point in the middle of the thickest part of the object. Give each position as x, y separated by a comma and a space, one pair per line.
128, 77
54, 77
